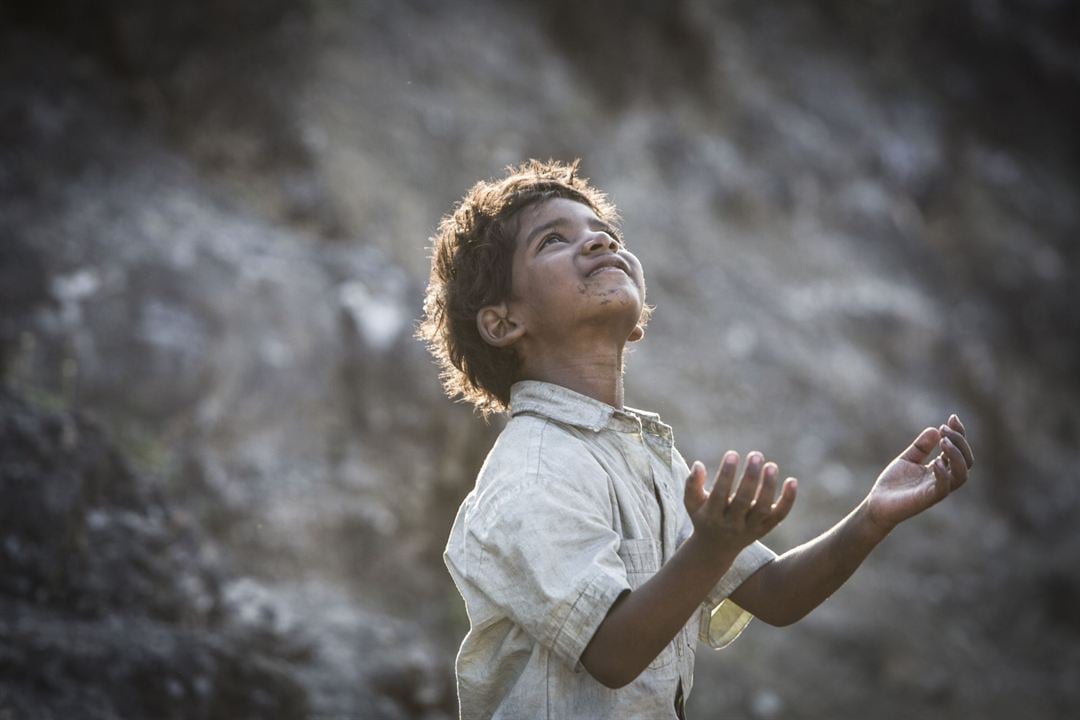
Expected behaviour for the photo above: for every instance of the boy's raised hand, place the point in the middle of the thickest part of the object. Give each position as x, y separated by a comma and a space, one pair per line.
910, 484
729, 521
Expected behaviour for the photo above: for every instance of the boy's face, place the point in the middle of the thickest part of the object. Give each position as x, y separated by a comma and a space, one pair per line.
572, 280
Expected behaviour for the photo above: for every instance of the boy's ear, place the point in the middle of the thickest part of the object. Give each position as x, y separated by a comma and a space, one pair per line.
497, 327
636, 334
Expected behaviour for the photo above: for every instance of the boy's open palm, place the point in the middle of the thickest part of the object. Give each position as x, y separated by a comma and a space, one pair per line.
910, 484
729, 521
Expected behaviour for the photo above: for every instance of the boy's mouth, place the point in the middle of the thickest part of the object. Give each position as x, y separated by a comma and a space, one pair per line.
612, 262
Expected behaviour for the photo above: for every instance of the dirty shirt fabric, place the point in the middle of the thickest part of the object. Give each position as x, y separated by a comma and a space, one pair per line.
576, 503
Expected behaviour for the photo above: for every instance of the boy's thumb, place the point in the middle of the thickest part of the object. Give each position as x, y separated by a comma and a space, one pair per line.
695, 493
923, 446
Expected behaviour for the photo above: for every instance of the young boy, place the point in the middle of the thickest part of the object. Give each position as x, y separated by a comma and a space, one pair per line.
590, 556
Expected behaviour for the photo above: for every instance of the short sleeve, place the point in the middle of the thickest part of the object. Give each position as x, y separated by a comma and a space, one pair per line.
722, 619
542, 545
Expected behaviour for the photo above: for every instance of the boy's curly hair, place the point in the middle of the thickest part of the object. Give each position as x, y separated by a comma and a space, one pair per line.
471, 261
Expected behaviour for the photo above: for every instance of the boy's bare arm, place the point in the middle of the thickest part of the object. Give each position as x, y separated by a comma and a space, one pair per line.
641, 623
792, 585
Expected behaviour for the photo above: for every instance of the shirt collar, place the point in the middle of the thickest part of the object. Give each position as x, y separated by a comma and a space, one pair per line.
572, 408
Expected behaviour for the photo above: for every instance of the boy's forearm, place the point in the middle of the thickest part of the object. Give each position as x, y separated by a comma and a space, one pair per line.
641, 623
795, 583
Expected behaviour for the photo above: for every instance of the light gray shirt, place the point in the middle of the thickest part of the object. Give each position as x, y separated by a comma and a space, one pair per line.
576, 503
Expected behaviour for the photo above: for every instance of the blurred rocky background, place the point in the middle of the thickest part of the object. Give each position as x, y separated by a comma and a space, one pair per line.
226, 468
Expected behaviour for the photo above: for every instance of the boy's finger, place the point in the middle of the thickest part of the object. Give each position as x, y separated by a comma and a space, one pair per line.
784, 502
924, 444
764, 500
957, 465
725, 476
942, 482
955, 424
960, 442
749, 485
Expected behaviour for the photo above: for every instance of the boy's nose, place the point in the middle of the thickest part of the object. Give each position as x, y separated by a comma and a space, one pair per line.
600, 241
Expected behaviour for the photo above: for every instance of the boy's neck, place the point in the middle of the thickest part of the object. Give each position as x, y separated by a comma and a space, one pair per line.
599, 375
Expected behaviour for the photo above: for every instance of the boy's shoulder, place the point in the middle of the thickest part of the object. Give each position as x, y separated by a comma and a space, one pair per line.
535, 454
531, 445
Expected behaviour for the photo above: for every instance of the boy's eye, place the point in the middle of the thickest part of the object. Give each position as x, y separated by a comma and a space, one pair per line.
547, 240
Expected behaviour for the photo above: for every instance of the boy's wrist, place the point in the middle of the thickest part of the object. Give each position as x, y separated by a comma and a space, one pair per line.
707, 557
871, 528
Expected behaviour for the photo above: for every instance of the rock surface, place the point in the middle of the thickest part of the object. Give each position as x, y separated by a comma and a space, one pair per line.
228, 471
114, 604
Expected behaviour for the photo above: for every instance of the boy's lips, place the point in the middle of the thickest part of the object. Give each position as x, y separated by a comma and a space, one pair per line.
611, 261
